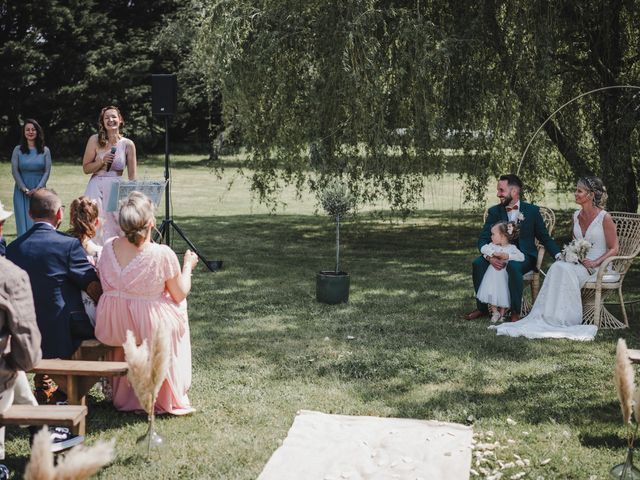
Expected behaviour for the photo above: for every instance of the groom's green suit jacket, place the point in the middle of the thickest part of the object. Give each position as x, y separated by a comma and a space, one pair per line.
531, 228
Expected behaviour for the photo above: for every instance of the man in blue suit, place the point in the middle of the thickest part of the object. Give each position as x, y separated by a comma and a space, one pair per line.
531, 224
58, 269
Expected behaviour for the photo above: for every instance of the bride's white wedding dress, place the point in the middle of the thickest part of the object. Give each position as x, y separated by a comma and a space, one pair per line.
557, 311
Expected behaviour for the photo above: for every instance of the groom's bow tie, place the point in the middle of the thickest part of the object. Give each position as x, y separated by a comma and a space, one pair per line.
515, 207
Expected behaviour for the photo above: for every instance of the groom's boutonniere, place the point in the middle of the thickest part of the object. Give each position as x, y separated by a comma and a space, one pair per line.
520, 217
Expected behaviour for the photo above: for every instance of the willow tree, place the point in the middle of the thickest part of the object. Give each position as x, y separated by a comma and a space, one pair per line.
537, 55
384, 93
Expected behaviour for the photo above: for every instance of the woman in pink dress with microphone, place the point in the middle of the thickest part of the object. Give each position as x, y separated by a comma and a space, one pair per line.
145, 290
105, 157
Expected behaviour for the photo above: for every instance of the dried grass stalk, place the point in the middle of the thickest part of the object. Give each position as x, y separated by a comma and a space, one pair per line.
160, 346
79, 464
40, 466
147, 367
138, 361
82, 462
624, 378
636, 405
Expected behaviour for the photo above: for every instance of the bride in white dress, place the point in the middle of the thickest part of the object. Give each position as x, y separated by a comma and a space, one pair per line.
557, 311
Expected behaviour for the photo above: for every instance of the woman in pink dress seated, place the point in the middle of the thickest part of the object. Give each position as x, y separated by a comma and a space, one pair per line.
144, 290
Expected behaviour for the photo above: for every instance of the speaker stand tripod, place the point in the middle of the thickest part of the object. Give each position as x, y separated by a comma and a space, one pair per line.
168, 223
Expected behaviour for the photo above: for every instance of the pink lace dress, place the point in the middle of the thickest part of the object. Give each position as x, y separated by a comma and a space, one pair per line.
135, 298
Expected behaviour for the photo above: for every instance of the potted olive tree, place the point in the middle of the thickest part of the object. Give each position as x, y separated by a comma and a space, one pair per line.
332, 286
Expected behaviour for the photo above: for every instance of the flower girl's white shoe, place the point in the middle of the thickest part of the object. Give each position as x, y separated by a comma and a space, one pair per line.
495, 317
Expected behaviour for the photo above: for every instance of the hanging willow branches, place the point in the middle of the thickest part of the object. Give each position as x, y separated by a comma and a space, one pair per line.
385, 93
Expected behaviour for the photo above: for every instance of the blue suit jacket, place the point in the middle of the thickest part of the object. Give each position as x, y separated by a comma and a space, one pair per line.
58, 269
531, 228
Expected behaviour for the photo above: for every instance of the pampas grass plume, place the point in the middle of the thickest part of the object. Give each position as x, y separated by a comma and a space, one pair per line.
147, 368
138, 374
40, 466
82, 462
160, 345
636, 405
79, 464
624, 378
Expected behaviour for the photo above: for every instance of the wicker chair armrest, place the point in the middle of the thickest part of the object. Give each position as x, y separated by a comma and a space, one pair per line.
541, 252
603, 266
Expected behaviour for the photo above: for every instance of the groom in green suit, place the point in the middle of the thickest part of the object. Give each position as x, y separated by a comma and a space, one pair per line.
531, 224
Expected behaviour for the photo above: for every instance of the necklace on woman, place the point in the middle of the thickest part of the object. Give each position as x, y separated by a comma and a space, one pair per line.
590, 216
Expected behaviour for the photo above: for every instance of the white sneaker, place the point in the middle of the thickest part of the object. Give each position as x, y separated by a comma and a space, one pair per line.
495, 317
62, 439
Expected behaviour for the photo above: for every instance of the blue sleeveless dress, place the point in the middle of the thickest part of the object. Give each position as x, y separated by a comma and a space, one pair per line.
30, 170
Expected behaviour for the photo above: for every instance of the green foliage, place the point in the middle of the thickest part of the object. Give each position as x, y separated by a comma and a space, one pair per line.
383, 93
336, 200
528, 58
64, 60
329, 88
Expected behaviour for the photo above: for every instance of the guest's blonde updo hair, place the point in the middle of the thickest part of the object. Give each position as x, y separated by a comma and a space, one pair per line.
595, 186
135, 216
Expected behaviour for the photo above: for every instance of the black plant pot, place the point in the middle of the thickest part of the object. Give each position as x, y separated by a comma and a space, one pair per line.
332, 287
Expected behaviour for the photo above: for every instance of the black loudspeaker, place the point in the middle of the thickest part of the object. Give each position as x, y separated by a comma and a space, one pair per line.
164, 94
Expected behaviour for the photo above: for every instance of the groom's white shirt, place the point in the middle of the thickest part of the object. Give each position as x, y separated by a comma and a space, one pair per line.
513, 214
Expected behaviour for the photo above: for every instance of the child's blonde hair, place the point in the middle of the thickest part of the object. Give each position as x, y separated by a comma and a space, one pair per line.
511, 230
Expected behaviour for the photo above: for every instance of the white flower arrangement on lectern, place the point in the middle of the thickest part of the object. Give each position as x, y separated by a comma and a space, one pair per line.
576, 251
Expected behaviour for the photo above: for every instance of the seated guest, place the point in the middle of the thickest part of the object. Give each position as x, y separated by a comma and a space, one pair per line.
59, 270
4, 214
83, 224
20, 340
144, 291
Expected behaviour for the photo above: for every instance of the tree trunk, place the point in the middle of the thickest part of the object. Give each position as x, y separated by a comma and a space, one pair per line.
614, 145
617, 170
337, 244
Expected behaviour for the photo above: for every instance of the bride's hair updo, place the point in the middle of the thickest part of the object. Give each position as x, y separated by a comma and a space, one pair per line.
595, 186
136, 213
511, 230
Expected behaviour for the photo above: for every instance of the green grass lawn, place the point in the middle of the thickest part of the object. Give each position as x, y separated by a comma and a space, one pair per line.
263, 348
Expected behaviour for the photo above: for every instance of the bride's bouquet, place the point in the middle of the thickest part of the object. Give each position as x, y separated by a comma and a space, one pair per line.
576, 251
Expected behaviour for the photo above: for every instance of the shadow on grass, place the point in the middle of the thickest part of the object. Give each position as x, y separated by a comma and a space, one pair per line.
410, 285
398, 348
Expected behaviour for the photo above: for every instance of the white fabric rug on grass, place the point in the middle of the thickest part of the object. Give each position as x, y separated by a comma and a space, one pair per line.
320, 446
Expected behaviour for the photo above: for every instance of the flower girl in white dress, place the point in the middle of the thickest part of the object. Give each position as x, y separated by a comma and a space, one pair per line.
494, 289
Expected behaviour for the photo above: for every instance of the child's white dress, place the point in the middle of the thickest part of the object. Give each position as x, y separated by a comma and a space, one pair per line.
89, 304
494, 288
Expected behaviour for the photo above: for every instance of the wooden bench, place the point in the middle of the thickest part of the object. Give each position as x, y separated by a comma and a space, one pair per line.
93, 350
55, 415
634, 355
76, 377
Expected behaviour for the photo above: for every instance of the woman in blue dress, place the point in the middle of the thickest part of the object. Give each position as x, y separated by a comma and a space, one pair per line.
30, 166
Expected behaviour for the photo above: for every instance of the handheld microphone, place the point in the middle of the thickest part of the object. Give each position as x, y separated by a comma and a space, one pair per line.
113, 151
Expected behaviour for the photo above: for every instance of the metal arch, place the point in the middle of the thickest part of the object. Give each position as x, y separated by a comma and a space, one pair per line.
634, 87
